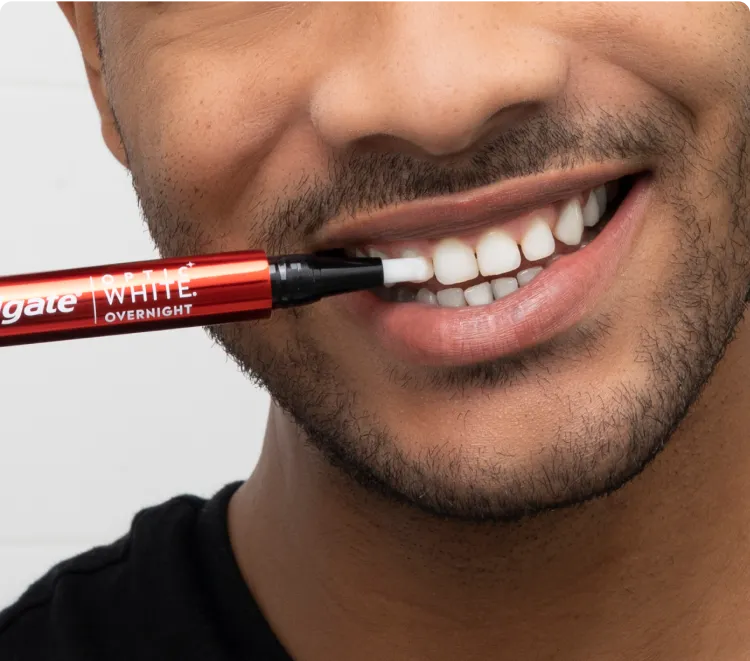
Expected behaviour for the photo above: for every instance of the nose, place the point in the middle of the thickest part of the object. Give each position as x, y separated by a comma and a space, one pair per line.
437, 78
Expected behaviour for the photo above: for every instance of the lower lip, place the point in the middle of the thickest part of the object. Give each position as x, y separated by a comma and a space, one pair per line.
555, 301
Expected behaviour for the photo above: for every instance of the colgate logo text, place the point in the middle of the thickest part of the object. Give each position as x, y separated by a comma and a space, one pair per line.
13, 310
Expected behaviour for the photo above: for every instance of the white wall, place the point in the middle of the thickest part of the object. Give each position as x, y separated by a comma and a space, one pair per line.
91, 430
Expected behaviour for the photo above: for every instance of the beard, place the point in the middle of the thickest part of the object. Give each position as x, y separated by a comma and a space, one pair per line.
694, 312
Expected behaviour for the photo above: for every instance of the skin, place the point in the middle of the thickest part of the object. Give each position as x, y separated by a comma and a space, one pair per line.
386, 516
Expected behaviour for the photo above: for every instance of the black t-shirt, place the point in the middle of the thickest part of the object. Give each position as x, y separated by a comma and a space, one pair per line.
169, 589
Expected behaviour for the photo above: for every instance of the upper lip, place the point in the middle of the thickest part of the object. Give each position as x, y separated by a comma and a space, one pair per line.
451, 215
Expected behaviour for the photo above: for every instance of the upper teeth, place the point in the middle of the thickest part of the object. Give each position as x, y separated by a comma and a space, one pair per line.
569, 228
591, 211
454, 261
496, 251
538, 241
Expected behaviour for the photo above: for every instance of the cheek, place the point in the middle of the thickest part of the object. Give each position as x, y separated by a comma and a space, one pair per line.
210, 126
695, 52
217, 133
211, 138
206, 92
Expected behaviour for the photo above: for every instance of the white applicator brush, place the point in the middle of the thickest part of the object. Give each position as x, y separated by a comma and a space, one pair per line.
406, 269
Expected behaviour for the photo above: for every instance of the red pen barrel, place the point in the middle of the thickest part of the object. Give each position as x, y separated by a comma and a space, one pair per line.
134, 297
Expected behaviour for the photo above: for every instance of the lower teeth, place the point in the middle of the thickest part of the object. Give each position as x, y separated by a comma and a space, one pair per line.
527, 275
404, 295
455, 297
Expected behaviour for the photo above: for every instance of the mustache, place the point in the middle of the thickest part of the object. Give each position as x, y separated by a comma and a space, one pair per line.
360, 181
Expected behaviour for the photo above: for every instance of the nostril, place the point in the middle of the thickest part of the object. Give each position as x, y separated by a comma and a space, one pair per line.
438, 148
510, 116
450, 148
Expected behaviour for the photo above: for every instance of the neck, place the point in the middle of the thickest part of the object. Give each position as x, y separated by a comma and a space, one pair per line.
655, 570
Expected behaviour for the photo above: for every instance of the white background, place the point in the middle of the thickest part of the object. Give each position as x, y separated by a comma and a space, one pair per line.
92, 430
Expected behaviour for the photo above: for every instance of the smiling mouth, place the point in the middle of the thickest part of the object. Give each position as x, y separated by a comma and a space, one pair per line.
493, 262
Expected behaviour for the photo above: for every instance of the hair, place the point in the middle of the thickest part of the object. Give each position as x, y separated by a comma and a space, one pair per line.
98, 12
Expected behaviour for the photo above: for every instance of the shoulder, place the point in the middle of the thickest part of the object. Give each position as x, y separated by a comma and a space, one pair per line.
91, 605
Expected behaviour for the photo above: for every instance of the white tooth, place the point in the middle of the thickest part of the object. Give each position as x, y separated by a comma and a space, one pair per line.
359, 253
569, 227
497, 252
601, 198
451, 298
591, 213
527, 275
538, 241
426, 296
501, 287
454, 262
480, 294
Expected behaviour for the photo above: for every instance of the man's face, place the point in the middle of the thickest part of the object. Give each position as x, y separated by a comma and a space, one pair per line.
295, 127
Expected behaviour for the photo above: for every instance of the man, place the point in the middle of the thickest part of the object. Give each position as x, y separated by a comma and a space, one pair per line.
542, 452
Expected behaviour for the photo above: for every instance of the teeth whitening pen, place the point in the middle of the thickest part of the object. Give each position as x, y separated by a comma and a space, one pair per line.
182, 292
